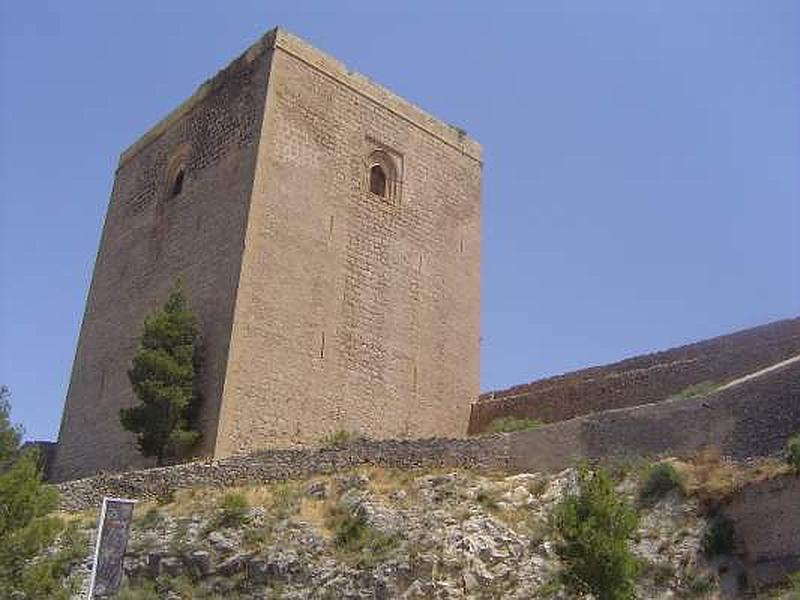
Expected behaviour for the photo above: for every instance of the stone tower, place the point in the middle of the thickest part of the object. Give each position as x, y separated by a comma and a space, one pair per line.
327, 234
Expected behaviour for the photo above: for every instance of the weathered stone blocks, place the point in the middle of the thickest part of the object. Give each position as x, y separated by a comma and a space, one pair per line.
322, 305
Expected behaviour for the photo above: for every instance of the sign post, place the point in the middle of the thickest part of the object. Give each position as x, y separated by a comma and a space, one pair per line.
109, 550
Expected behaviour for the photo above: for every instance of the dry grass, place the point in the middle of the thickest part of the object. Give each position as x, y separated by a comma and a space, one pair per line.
523, 521
315, 513
85, 518
713, 480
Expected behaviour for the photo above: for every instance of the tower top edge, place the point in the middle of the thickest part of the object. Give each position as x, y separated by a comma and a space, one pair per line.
280, 39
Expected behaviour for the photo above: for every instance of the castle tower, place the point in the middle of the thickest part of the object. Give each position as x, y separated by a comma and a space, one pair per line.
327, 234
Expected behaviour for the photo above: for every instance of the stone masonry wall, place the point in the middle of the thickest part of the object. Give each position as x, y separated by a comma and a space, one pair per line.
643, 379
353, 312
766, 519
271, 465
150, 240
752, 419
321, 305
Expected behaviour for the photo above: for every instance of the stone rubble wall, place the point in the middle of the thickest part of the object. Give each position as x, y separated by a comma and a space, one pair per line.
487, 453
752, 419
642, 379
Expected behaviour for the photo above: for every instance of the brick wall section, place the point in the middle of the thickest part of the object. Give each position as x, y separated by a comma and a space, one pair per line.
766, 520
481, 454
148, 242
754, 418
643, 379
353, 312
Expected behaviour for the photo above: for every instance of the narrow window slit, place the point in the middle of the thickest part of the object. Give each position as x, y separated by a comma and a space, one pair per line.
177, 184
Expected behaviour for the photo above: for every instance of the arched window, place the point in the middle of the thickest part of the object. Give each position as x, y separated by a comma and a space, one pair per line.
377, 181
382, 175
176, 171
177, 182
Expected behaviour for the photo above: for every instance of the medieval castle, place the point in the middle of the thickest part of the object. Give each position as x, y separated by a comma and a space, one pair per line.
327, 233
328, 236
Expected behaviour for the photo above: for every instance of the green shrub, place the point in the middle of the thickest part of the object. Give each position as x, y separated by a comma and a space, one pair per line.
793, 452
355, 540
284, 502
27, 527
233, 510
660, 479
141, 590
595, 527
791, 590
486, 500
339, 439
698, 390
180, 543
509, 424
718, 537
150, 520
700, 584
256, 538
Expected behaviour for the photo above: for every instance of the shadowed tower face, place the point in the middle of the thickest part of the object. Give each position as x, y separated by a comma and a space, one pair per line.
327, 234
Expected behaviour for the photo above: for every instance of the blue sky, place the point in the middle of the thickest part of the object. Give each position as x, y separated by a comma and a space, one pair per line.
641, 178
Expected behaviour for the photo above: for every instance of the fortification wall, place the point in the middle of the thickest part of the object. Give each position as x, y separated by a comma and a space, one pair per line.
766, 519
271, 465
354, 311
150, 240
643, 379
752, 419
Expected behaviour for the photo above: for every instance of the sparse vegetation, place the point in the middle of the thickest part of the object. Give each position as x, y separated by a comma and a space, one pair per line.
10, 434
791, 591
180, 542
349, 522
142, 590
284, 500
339, 439
256, 538
234, 510
595, 527
510, 424
151, 519
698, 390
662, 573
660, 479
700, 584
793, 453
353, 537
713, 480
27, 527
487, 500
178, 587
718, 537
163, 375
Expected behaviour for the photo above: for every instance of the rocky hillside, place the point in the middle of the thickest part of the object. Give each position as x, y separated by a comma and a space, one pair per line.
377, 533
